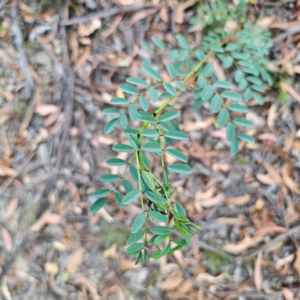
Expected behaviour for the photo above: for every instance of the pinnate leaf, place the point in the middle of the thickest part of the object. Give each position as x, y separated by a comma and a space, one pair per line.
111, 125
170, 115
152, 73
131, 196
97, 205
180, 169
138, 223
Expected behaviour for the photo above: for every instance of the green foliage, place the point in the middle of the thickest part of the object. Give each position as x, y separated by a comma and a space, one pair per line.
242, 52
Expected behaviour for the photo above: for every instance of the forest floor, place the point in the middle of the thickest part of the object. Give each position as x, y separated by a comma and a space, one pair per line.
59, 68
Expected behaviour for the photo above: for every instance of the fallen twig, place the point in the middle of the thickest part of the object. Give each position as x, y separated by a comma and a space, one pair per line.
108, 13
22, 53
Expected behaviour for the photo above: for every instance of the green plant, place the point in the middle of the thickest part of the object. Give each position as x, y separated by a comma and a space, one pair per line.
242, 52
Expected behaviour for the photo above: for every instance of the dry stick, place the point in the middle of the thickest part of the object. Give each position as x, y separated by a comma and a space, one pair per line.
69, 93
108, 13
22, 53
8, 182
279, 238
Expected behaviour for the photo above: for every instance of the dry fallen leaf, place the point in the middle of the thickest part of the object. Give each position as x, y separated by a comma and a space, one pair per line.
243, 245
75, 261
257, 271
47, 218
265, 179
179, 12
170, 283
51, 267
241, 200
46, 109
288, 180
86, 29
6, 237
288, 89
127, 264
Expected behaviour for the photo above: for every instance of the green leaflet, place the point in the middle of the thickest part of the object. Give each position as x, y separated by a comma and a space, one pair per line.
151, 147
207, 92
150, 133
111, 125
97, 205
216, 103
180, 209
243, 122
147, 46
180, 169
223, 117
238, 108
148, 178
158, 42
234, 146
246, 137
134, 173
123, 121
134, 249
118, 101
157, 216
168, 116
135, 237
160, 230
127, 185
152, 73
131, 196
144, 103
109, 178
153, 94
177, 154
116, 162
223, 84
170, 89
165, 250
177, 135
232, 96
129, 89
182, 43
180, 85
171, 70
137, 81
230, 131
101, 193
160, 239
134, 141
132, 110
110, 111
122, 148
138, 223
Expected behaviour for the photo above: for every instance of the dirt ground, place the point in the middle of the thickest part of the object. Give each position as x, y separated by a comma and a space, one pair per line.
60, 64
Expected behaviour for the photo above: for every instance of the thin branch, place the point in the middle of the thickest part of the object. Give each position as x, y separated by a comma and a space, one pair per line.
108, 13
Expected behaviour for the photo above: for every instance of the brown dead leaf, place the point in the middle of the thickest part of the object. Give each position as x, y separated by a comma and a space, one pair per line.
288, 89
284, 261
11, 208
257, 271
4, 171
243, 245
204, 277
75, 261
140, 15
47, 218
288, 180
86, 29
164, 14
297, 261
6, 237
170, 283
179, 12
46, 109
265, 179
241, 200
127, 264
272, 116
7, 95
270, 229
130, 2
288, 294
272, 173
266, 21
51, 267
193, 126
209, 202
